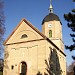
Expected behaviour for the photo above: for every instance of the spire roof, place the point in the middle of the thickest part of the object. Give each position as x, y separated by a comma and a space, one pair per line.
51, 16
51, 7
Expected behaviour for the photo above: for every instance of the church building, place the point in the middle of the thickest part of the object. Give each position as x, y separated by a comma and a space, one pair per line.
31, 52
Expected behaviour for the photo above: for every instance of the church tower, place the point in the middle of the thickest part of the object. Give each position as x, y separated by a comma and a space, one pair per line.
52, 27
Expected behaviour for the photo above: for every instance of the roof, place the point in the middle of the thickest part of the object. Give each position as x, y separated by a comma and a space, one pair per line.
34, 28
50, 17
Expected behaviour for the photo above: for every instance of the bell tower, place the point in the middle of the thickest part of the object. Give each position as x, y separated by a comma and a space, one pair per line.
52, 28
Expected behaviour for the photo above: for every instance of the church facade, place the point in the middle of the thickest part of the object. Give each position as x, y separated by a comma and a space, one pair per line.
31, 52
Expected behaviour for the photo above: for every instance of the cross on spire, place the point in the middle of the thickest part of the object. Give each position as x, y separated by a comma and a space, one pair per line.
51, 7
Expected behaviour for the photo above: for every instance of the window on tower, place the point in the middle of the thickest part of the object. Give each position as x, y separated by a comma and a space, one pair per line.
50, 33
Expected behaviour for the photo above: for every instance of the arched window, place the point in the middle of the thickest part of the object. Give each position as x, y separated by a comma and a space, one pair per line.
50, 33
23, 68
24, 36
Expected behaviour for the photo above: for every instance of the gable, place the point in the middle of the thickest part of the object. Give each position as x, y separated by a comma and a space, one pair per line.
25, 31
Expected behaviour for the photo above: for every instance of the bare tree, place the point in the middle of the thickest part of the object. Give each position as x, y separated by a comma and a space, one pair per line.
2, 25
70, 70
1, 66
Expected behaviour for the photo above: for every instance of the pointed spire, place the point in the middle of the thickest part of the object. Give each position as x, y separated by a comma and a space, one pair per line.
51, 7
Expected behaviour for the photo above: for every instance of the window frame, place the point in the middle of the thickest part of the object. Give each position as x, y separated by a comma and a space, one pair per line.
50, 33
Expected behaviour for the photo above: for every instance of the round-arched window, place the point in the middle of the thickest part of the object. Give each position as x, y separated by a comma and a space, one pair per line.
23, 68
24, 36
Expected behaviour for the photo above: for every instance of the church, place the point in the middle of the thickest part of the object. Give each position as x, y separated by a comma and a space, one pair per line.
31, 52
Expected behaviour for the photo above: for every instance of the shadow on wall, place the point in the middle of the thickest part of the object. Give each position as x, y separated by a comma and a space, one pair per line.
39, 73
53, 64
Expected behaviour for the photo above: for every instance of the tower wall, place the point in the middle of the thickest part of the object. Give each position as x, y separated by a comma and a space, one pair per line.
56, 28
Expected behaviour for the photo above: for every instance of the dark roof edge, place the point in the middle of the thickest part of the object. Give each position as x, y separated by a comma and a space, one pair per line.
51, 20
55, 46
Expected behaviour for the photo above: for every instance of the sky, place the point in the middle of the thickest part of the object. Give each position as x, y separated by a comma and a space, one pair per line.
35, 11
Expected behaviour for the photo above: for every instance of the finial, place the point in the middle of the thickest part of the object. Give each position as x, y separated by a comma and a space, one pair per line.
51, 7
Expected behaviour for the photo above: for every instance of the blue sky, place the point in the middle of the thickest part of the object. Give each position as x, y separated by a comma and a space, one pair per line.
34, 11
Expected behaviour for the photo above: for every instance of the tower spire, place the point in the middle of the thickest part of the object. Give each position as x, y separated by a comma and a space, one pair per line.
51, 7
